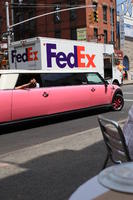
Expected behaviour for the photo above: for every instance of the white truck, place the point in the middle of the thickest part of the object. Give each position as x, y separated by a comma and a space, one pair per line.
59, 55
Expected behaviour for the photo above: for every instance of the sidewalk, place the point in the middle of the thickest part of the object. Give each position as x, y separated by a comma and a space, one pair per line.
52, 170
127, 82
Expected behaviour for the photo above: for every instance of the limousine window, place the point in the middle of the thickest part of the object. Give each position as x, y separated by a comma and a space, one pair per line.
63, 79
25, 78
94, 78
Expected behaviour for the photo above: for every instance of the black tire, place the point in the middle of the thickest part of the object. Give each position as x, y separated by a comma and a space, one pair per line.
117, 102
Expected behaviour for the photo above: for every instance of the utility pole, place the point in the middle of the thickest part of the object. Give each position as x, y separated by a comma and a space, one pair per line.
8, 24
112, 25
9, 27
12, 21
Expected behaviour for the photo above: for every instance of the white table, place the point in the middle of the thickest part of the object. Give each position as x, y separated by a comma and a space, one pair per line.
89, 190
92, 189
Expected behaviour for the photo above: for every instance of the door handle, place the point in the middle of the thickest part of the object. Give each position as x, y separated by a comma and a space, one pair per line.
45, 94
93, 89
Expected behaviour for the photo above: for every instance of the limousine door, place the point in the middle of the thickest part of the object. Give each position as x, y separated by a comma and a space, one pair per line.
58, 93
29, 103
100, 94
34, 102
5, 105
65, 91
67, 98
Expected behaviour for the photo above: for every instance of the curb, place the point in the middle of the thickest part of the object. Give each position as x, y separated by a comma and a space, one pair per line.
128, 83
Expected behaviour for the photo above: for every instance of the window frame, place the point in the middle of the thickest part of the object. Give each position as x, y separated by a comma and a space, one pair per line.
105, 13
73, 13
95, 32
62, 82
73, 36
105, 36
95, 83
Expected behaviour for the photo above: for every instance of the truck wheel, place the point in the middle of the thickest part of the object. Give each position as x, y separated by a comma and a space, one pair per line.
118, 102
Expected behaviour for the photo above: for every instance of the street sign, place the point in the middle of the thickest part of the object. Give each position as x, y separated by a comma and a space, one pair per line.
81, 34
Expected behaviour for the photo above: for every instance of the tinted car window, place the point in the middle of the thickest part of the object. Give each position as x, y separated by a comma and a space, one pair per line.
94, 79
25, 78
63, 79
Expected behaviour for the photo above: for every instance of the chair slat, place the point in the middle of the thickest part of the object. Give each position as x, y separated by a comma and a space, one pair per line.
114, 140
115, 143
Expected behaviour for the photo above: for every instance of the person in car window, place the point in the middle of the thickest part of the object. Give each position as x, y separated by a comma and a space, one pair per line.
128, 132
32, 84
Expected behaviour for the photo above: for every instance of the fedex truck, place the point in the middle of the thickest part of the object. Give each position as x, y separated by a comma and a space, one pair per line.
59, 55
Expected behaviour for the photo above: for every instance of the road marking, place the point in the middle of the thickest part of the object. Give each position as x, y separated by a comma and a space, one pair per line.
13, 163
128, 100
127, 92
2, 164
88, 134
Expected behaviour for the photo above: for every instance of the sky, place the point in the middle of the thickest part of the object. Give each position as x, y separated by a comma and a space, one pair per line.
120, 1
127, 6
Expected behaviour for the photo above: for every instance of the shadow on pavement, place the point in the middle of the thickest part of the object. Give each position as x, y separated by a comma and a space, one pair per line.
49, 120
54, 176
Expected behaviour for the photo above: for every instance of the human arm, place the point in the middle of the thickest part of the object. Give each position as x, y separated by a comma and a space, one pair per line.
31, 84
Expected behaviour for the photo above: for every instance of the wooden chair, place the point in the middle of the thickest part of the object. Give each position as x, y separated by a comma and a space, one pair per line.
117, 150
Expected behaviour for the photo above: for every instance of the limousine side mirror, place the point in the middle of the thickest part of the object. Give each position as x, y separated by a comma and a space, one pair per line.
106, 83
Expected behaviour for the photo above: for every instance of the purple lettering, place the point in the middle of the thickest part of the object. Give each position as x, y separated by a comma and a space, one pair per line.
61, 59
50, 54
18, 57
74, 57
13, 55
23, 57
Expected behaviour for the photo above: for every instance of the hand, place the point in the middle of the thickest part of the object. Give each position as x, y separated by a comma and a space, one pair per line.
32, 83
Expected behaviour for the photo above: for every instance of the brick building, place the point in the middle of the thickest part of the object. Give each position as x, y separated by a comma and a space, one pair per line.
125, 35
75, 24
2, 18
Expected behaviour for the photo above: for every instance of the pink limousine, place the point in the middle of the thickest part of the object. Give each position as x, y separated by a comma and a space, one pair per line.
53, 93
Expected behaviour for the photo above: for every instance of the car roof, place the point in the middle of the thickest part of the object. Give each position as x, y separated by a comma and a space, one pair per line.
20, 71
17, 71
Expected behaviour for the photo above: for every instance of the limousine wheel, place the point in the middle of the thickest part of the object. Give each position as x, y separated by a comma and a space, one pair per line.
118, 102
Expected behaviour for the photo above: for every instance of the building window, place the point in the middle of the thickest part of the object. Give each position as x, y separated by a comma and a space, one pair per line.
58, 34
57, 15
112, 16
32, 23
0, 24
105, 13
95, 32
105, 36
73, 14
112, 36
73, 34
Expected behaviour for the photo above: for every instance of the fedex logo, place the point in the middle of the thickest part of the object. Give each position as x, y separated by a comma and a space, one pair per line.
73, 59
27, 56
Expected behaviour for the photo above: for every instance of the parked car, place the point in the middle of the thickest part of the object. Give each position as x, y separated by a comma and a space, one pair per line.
57, 93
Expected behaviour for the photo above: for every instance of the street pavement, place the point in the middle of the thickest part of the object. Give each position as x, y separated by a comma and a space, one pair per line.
127, 82
52, 170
